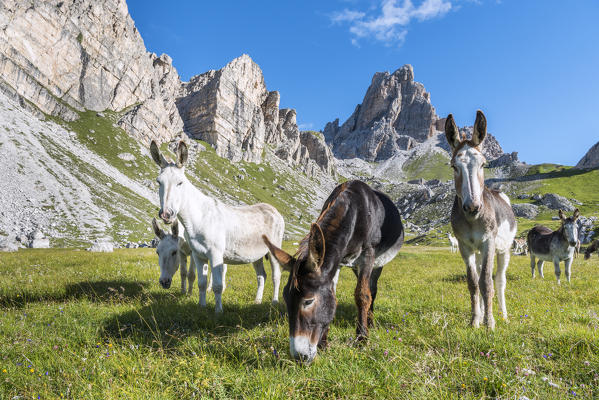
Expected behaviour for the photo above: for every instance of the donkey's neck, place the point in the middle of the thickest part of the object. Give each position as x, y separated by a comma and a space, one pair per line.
193, 204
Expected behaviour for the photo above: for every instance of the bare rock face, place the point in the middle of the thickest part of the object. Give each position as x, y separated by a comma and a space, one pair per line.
590, 159
394, 105
233, 111
66, 56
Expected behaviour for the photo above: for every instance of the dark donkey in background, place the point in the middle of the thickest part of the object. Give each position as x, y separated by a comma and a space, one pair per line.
357, 227
592, 248
557, 246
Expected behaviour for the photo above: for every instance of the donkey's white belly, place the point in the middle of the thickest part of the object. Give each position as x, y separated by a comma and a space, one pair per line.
505, 237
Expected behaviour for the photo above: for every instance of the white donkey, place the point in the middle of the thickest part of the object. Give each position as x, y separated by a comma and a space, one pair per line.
217, 233
482, 220
173, 251
453, 242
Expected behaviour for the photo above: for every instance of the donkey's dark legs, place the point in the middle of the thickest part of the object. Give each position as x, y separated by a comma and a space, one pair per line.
374, 277
363, 295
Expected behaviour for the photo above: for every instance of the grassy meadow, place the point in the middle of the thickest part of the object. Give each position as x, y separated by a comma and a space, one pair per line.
84, 325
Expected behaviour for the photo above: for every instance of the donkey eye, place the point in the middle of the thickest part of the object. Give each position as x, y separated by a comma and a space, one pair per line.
180, 183
308, 302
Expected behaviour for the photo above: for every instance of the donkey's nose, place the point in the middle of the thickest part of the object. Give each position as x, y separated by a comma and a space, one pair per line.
471, 208
166, 215
165, 283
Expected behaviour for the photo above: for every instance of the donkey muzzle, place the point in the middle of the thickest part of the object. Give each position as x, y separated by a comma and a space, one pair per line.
166, 215
471, 208
165, 283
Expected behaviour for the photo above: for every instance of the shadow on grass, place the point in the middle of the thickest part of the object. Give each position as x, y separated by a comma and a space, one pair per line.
96, 291
462, 278
564, 173
165, 321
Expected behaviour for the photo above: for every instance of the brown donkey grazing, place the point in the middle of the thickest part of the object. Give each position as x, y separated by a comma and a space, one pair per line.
593, 247
482, 220
358, 227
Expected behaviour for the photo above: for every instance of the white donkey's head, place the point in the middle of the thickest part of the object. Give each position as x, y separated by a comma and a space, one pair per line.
467, 162
570, 226
168, 253
171, 180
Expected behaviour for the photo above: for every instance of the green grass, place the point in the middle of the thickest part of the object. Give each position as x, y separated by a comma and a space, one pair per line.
97, 326
431, 166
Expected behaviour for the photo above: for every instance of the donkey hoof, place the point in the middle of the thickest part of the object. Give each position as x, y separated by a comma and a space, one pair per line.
275, 302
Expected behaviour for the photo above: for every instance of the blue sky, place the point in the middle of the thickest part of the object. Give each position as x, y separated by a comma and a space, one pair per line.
531, 65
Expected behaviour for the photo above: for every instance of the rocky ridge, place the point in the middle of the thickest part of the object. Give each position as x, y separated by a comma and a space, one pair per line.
98, 62
395, 116
232, 110
590, 159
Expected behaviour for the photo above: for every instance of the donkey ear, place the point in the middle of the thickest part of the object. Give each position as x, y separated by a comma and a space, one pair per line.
156, 156
316, 248
181, 154
159, 232
576, 214
451, 132
175, 228
561, 215
480, 128
282, 257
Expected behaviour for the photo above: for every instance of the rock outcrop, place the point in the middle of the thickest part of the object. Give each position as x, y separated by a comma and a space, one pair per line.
60, 57
590, 159
394, 106
233, 111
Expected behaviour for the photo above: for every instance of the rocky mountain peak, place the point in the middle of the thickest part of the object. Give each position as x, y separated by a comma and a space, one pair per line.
232, 110
394, 106
590, 159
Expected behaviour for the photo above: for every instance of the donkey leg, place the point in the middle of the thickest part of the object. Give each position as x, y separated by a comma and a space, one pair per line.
374, 277
503, 259
532, 265
191, 275
209, 288
275, 271
486, 282
362, 294
567, 265
217, 269
470, 260
202, 272
335, 281
183, 271
479, 267
540, 268
558, 272
224, 277
260, 278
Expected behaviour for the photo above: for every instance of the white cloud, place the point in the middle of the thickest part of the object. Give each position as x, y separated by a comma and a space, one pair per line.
346, 16
389, 23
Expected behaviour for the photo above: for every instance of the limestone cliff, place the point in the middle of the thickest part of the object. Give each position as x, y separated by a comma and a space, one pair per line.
232, 109
59, 57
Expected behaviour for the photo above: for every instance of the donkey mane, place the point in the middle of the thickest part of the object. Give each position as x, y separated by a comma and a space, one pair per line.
327, 218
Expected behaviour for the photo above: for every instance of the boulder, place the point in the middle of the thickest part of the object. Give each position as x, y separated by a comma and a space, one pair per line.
101, 246
529, 211
557, 202
8, 244
42, 243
